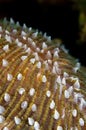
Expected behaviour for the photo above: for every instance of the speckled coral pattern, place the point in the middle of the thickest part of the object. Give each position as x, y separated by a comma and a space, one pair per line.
41, 86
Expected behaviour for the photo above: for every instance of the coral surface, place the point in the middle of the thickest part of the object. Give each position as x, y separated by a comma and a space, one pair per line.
42, 87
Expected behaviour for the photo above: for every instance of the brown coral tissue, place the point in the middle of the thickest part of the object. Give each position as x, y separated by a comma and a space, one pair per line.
42, 87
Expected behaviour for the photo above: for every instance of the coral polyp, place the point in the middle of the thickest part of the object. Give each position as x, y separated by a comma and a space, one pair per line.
41, 86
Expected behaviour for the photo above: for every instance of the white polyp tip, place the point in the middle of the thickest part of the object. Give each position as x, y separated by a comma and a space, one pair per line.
38, 49
23, 58
16, 41
33, 44
14, 31
56, 54
44, 45
54, 70
19, 76
36, 125
21, 91
66, 94
59, 128
49, 61
30, 40
25, 46
4, 63
24, 26
77, 96
46, 65
63, 81
23, 33
30, 121
34, 107
52, 104
49, 54
48, 93
19, 44
9, 77
32, 60
11, 21
2, 119
7, 32
75, 69
32, 91
7, 97
17, 24
56, 115
45, 35
63, 114
82, 103
17, 120
34, 35
0, 35
74, 113
6, 48
81, 122
49, 38
2, 109
58, 80
44, 79
0, 28
28, 50
39, 65
24, 37
42, 51
55, 63
70, 89
64, 49
36, 56
78, 64
77, 84
5, 128
66, 74
8, 38
24, 105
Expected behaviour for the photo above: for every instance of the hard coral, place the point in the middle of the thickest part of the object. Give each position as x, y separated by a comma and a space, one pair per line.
41, 86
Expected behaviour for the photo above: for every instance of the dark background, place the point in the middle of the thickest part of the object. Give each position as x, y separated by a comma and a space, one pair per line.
58, 20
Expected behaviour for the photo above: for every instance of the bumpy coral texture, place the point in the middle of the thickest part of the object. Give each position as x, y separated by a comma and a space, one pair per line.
41, 86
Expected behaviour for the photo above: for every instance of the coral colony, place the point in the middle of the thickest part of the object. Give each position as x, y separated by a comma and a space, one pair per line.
41, 86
